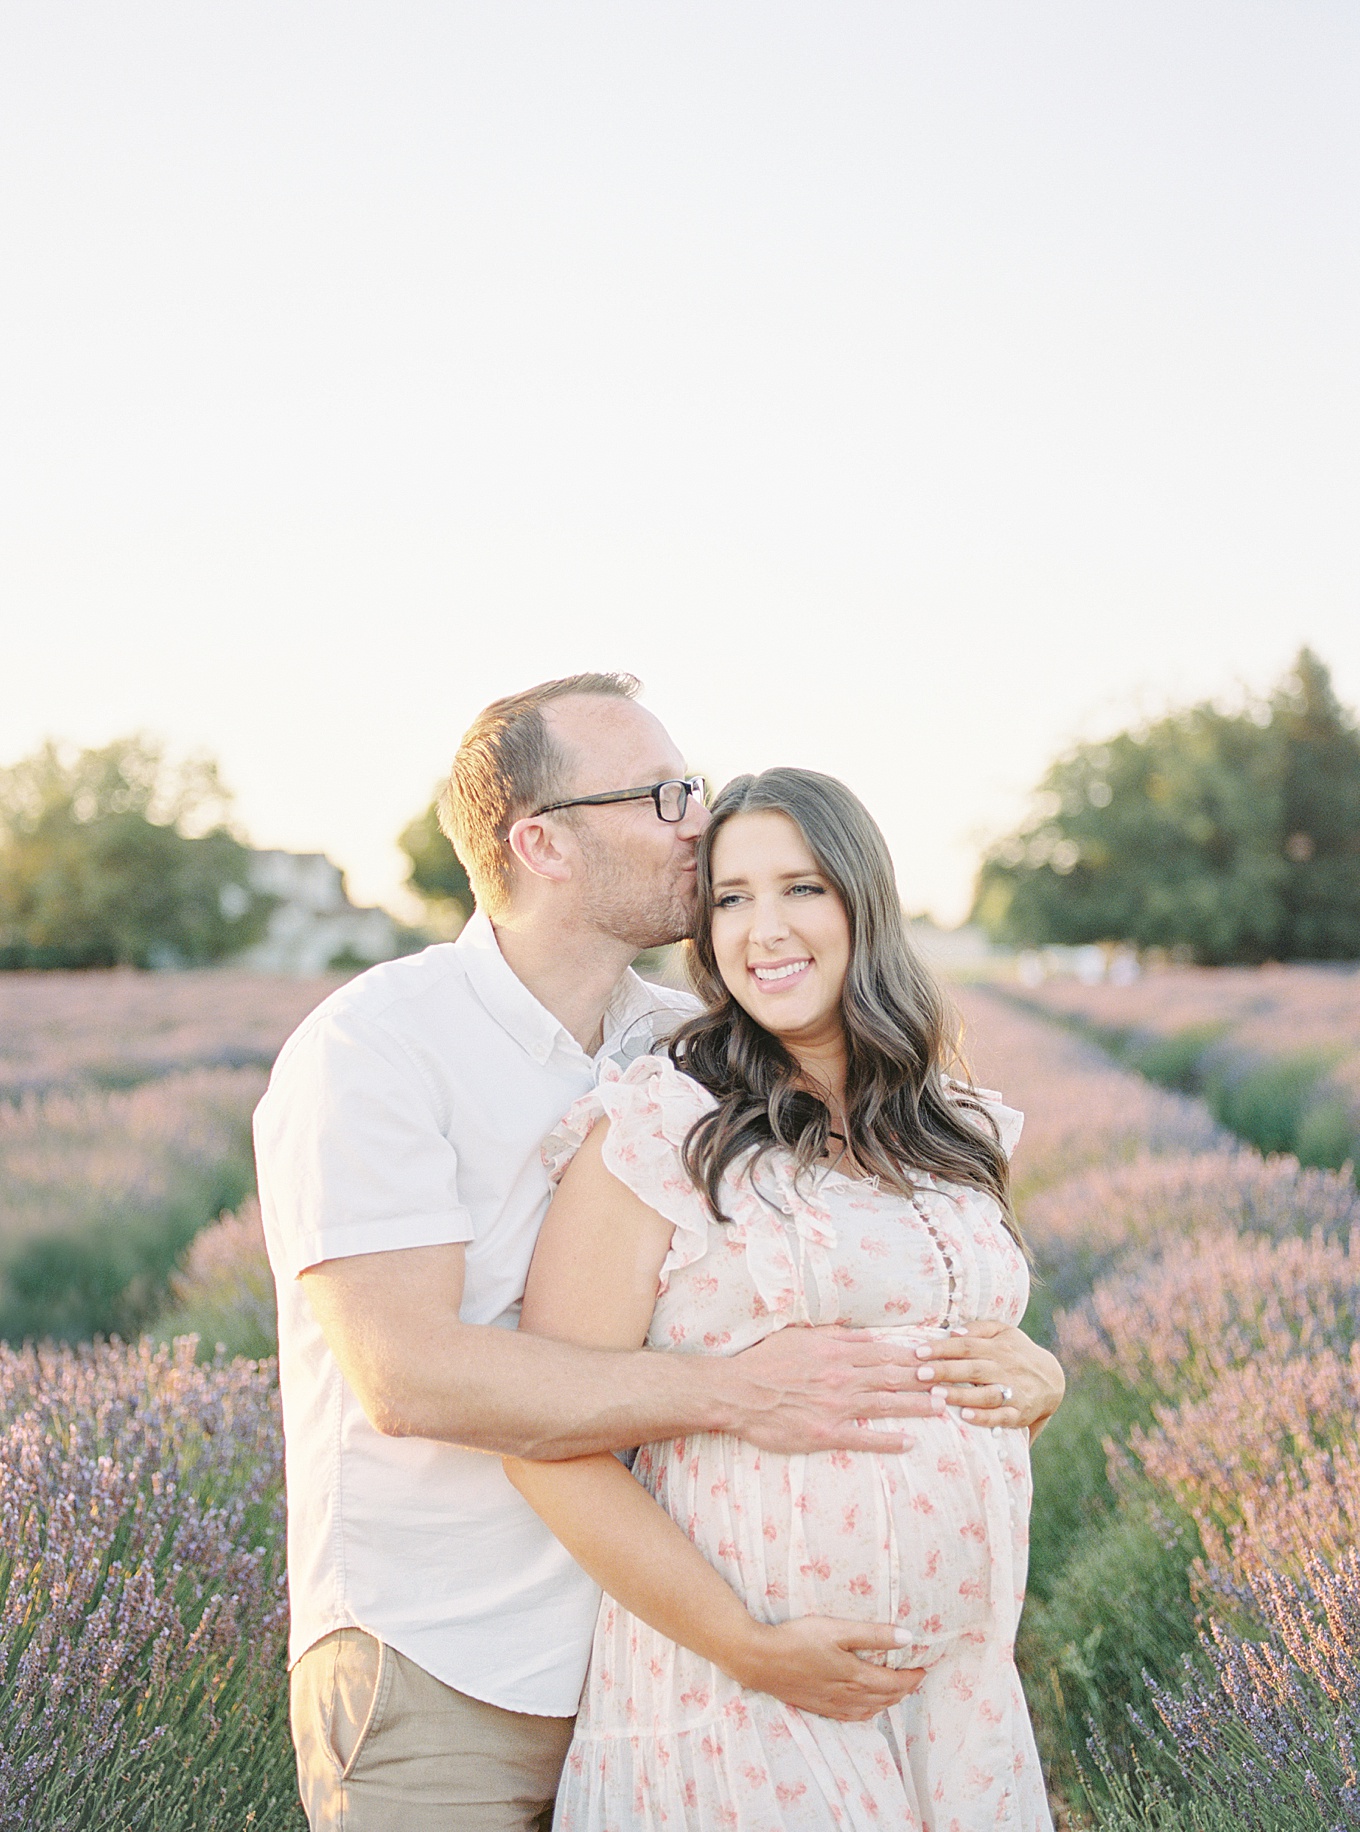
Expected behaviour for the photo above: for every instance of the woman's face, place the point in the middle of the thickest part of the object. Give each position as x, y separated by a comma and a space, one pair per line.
780, 931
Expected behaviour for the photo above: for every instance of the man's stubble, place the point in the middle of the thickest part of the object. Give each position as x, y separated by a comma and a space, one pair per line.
625, 904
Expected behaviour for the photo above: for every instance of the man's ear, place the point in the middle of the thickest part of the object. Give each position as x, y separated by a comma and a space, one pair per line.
534, 842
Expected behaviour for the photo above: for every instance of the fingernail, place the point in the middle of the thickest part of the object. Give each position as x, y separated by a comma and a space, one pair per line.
925, 1373
958, 1332
938, 1392
903, 1637
965, 1412
922, 1351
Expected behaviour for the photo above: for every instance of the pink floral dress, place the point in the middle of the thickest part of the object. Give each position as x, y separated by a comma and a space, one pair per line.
934, 1537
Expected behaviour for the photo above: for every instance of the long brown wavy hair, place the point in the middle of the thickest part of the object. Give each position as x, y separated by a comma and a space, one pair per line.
900, 1034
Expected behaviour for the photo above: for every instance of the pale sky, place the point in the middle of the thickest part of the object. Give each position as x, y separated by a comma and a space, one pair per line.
901, 389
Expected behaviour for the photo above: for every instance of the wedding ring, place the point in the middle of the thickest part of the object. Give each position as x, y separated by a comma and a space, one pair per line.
1008, 1394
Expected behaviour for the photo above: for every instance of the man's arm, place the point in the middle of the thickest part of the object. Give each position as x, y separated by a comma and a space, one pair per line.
391, 1320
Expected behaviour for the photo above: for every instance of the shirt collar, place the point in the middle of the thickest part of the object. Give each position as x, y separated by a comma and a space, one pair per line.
532, 1025
504, 994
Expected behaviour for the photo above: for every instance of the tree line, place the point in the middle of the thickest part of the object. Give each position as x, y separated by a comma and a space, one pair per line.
1223, 835
1227, 836
112, 857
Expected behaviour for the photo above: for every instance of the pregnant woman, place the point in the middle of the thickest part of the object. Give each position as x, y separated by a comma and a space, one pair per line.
800, 1159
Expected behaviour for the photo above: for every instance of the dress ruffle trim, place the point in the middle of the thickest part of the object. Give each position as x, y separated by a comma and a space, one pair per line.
650, 1107
1009, 1120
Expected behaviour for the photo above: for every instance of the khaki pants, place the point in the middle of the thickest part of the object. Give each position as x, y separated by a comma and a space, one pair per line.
382, 1746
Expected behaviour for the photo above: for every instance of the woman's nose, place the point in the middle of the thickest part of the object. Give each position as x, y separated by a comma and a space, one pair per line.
769, 928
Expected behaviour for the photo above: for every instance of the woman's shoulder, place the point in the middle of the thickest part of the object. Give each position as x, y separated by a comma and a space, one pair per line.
649, 1103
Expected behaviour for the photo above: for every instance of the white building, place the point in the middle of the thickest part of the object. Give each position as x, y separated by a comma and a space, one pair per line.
313, 926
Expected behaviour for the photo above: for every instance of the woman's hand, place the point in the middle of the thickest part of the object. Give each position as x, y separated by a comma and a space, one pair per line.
995, 1375
810, 1662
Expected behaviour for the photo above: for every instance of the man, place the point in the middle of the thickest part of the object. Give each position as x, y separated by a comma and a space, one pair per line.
439, 1633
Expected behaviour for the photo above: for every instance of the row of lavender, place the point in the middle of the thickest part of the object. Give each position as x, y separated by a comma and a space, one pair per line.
142, 1602
125, 1104
1275, 1051
1194, 1629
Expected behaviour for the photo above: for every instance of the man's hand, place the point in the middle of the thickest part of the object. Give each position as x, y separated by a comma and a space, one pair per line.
806, 1389
994, 1374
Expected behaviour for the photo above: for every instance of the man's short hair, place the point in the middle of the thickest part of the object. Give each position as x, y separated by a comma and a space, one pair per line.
507, 765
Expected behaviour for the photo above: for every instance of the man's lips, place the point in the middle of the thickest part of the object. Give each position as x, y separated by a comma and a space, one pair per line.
774, 976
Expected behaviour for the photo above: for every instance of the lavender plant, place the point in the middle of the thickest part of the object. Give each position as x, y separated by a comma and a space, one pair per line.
1081, 1112
120, 1028
1172, 1325
142, 1606
224, 1294
1256, 1013
1264, 1732
1085, 1227
1267, 1462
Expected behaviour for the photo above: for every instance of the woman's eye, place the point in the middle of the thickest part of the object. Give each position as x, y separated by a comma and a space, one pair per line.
727, 901
809, 890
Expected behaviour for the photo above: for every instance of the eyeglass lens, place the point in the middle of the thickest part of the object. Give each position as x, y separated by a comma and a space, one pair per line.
673, 798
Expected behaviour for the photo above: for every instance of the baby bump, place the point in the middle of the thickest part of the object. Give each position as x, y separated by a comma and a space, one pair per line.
931, 1538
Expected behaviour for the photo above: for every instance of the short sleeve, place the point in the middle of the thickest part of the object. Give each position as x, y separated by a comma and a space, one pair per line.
351, 1153
650, 1107
1009, 1121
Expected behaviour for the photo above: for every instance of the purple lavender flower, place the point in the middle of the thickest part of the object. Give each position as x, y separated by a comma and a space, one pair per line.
140, 1516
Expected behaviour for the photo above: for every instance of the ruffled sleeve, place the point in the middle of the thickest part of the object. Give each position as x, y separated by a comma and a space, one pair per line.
650, 1107
1009, 1121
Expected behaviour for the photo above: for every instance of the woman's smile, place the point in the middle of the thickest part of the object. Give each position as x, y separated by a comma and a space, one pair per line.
780, 976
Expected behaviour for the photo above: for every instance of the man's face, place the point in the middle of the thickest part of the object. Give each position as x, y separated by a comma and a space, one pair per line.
637, 871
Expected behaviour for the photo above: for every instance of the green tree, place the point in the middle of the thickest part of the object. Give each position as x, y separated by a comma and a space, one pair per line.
110, 858
437, 875
1235, 836
1320, 785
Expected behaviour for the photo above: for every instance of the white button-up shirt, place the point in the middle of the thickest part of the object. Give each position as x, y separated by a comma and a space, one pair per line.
407, 1111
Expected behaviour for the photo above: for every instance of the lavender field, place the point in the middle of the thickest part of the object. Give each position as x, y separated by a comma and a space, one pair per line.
142, 1598
1275, 1051
1192, 1642
125, 1104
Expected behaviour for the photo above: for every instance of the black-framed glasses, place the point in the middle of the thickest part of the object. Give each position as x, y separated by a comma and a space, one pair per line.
670, 799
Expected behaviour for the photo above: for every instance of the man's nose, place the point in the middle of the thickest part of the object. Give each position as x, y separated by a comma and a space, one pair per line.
696, 818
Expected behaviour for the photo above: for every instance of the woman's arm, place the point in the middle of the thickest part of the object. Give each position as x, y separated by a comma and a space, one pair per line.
594, 1281
635, 1552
